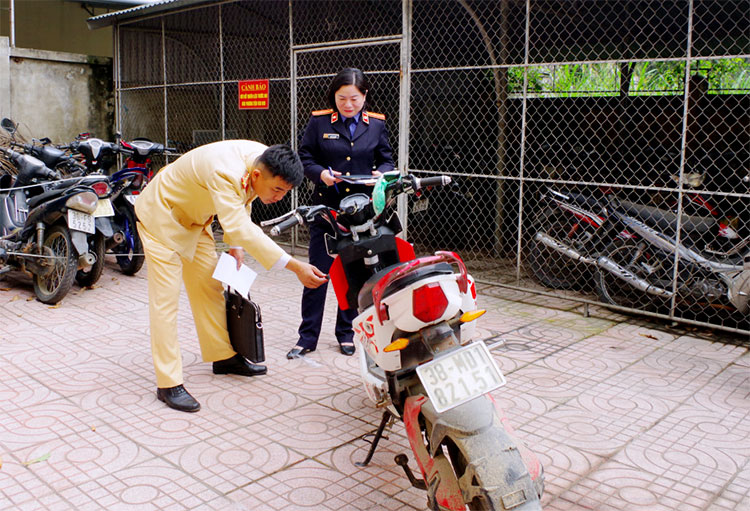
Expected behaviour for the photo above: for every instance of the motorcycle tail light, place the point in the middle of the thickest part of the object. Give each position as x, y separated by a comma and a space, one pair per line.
429, 302
84, 202
101, 188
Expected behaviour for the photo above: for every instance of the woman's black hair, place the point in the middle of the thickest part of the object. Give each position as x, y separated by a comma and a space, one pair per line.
348, 76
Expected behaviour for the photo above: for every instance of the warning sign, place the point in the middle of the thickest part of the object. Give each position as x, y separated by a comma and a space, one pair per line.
253, 94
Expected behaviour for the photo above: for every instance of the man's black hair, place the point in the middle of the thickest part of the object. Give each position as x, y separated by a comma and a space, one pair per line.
281, 161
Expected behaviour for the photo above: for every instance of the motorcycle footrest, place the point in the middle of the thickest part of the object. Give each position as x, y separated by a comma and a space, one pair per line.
403, 461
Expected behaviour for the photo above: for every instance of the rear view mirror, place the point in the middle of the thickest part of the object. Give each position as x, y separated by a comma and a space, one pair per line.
8, 125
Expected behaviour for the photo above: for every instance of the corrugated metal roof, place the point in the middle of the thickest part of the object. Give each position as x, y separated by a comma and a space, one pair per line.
105, 20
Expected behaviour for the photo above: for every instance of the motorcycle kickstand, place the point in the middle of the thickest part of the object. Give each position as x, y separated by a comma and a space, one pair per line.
374, 443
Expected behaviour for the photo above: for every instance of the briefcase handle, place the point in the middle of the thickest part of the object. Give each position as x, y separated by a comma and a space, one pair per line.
232, 290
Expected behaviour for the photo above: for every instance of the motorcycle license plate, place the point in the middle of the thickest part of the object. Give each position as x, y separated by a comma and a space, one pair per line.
81, 221
460, 376
104, 208
131, 199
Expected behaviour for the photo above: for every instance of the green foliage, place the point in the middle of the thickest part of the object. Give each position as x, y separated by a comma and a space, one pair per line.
725, 76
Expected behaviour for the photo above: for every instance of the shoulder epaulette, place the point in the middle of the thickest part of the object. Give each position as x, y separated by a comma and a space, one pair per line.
318, 113
376, 115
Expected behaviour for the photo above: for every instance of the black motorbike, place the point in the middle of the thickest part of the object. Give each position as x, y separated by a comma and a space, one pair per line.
98, 156
67, 165
44, 222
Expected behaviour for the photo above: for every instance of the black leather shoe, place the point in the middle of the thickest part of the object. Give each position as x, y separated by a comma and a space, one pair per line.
239, 365
178, 398
347, 349
297, 352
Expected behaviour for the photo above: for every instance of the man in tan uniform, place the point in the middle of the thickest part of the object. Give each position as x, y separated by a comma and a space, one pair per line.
174, 221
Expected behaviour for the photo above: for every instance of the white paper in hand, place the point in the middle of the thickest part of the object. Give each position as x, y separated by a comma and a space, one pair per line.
226, 271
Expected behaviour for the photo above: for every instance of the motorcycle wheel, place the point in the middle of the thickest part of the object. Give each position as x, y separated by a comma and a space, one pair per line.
89, 278
549, 267
128, 260
485, 475
630, 254
54, 286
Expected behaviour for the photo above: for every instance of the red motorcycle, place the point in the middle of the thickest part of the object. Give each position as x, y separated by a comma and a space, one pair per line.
419, 359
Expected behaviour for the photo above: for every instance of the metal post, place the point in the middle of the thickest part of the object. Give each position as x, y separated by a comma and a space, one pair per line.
116, 73
683, 150
519, 238
403, 107
293, 110
12, 13
221, 70
164, 79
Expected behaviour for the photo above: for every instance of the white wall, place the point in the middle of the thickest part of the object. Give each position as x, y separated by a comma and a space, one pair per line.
55, 94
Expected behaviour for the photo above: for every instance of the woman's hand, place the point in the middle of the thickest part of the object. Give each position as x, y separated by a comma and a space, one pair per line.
329, 177
376, 173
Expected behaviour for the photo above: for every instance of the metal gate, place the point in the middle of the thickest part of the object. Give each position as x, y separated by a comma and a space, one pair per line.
315, 65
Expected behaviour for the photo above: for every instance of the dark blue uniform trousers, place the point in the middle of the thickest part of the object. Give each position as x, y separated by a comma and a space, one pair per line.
313, 300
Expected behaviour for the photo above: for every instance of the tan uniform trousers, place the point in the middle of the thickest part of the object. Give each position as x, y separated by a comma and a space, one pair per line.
166, 272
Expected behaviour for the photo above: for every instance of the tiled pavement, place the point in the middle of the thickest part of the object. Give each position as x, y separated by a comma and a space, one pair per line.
624, 415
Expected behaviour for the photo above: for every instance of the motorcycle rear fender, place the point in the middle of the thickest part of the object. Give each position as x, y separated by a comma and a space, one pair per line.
472, 418
80, 241
104, 226
471, 423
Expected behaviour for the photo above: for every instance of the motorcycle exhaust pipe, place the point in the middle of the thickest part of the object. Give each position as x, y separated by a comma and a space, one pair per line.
86, 261
618, 271
555, 245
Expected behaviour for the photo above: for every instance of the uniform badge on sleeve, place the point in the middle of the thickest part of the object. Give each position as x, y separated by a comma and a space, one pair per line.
331, 136
245, 180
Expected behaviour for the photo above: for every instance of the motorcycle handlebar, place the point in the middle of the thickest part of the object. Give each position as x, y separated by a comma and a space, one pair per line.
285, 225
432, 181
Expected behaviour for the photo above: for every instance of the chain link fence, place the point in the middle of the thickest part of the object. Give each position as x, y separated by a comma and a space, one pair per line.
600, 150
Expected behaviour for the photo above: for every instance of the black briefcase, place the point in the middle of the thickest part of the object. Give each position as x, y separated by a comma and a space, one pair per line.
245, 326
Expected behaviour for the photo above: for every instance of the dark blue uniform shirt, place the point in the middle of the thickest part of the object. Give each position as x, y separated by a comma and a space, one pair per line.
328, 143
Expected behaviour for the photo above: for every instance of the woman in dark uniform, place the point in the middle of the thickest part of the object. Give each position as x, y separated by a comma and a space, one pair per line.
343, 140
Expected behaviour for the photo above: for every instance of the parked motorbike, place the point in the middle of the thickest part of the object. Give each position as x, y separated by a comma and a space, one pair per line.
98, 156
639, 263
418, 361
66, 164
568, 234
629, 249
43, 229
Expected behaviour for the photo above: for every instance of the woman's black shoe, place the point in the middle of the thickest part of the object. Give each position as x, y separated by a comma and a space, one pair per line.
178, 398
347, 349
297, 352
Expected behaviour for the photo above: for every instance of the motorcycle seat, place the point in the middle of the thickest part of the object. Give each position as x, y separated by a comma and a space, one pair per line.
6, 182
47, 195
364, 299
667, 220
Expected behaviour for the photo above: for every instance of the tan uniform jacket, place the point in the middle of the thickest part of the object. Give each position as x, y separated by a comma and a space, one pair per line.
182, 199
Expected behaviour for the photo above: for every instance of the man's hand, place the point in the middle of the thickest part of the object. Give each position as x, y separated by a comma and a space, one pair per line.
239, 254
308, 274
